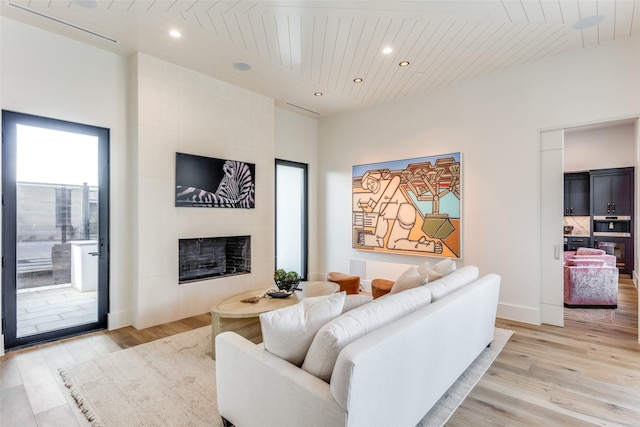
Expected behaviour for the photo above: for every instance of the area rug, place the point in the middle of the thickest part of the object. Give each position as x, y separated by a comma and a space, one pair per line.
171, 382
604, 315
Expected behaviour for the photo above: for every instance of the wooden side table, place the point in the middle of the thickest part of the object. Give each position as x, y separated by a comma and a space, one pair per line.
231, 314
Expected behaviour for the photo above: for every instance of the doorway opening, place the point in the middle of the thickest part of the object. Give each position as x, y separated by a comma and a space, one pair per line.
604, 145
55, 257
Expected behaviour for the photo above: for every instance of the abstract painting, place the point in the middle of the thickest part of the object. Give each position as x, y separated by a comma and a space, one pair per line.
410, 206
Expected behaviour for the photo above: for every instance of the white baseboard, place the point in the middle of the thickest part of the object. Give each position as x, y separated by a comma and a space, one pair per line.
519, 313
117, 320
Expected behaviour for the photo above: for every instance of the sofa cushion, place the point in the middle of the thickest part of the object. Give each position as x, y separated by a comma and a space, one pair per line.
453, 281
288, 332
338, 333
355, 300
410, 279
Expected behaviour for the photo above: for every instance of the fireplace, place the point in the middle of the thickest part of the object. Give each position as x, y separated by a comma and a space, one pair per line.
213, 257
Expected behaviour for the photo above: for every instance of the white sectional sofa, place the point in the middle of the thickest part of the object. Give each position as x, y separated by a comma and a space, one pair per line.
384, 363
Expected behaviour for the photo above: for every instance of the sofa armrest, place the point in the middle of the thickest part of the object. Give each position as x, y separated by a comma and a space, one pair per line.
257, 388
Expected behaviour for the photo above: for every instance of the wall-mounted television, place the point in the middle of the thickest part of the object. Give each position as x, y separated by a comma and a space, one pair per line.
214, 183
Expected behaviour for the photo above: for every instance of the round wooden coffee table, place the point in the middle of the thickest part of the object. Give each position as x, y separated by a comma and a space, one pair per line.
231, 314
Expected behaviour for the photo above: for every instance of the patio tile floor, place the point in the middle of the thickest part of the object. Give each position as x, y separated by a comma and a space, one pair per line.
54, 307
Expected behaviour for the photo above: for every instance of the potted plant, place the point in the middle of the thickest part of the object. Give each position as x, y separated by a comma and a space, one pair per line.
286, 281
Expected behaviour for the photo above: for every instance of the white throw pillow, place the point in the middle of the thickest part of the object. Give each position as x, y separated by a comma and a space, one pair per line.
288, 332
425, 269
355, 300
411, 278
444, 267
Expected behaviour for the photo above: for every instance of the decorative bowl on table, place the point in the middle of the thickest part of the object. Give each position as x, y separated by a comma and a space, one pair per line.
286, 283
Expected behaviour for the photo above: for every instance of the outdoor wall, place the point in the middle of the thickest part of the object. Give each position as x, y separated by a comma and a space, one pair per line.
178, 110
495, 122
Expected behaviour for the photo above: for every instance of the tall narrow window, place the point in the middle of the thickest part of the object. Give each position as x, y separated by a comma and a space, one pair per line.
291, 217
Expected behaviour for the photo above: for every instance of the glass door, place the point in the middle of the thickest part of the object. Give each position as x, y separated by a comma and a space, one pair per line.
55, 228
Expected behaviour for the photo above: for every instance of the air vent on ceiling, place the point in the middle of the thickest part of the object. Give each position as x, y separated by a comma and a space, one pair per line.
302, 108
60, 21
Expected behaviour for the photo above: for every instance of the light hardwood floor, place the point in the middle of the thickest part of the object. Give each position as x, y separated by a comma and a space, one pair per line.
587, 373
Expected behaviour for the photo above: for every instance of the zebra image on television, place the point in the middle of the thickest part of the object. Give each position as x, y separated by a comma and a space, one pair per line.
209, 182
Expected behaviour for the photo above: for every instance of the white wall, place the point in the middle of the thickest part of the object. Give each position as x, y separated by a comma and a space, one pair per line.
49, 75
494, 121
153, 109
599, 148
181, 110
297, 140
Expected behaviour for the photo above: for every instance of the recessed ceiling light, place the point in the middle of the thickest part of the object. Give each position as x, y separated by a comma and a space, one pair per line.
404, 63
387, 50
588, 22
357, 80
175, 33
242, 66
318, 94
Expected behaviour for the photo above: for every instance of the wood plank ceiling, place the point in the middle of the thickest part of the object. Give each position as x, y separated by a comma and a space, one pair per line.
298, 48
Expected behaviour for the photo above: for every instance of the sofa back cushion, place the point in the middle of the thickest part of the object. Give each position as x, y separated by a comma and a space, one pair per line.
350, 326
453, 281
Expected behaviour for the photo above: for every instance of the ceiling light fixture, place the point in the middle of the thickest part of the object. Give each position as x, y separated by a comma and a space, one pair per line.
357, 80
242, 66
318, 94
404, 63
175, 34
588, 22
387, 50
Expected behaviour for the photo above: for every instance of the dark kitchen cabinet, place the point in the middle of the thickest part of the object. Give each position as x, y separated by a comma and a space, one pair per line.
573, 243
612, 191
576, 194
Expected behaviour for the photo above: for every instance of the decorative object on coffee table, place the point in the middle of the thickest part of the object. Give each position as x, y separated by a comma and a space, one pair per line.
287, 282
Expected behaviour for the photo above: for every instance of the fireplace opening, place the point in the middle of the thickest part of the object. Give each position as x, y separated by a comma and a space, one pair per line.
213, 257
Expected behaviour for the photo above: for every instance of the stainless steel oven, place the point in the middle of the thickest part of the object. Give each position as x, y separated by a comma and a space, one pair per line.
612, 226
613, 234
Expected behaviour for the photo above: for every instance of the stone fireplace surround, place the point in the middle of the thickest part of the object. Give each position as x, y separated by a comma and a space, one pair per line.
213, 257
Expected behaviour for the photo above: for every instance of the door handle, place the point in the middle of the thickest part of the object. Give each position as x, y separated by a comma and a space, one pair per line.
556, 252
95, 253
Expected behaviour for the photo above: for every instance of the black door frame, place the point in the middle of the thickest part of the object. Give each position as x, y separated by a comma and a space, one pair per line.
9, 149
